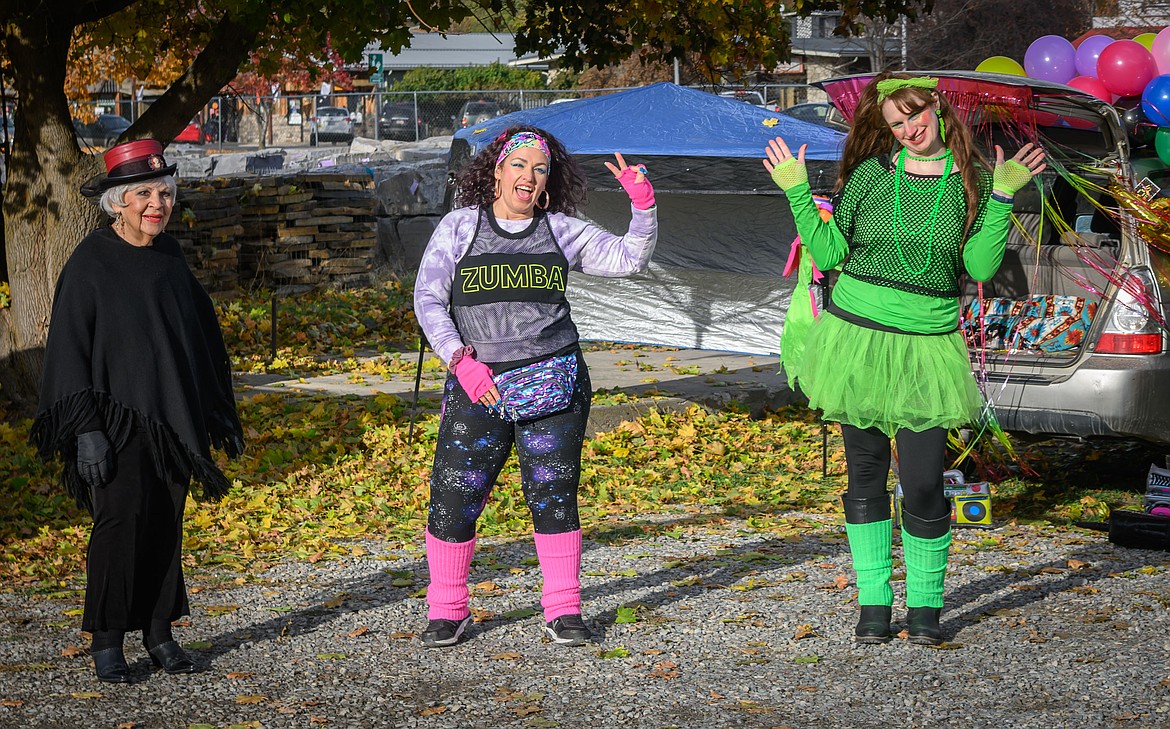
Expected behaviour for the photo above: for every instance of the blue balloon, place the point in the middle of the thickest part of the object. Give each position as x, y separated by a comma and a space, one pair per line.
1156, 100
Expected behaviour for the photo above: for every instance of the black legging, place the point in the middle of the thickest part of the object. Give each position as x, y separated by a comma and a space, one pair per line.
473, 445
134, 573
921, 460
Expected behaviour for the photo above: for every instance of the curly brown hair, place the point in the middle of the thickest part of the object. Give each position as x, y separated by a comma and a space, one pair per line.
870, 135
476, 182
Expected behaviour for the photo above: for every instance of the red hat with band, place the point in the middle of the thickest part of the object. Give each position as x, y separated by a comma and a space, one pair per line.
134, 161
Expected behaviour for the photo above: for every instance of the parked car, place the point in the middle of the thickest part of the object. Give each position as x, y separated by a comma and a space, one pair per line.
194, 133
755, 98
330, 124
821, 113
476, 112
1099, 363
398, 120
103, 131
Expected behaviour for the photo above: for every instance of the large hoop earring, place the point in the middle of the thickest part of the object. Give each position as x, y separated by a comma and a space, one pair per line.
942, 126
547, 200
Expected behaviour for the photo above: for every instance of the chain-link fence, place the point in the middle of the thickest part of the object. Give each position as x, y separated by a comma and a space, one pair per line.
383, 115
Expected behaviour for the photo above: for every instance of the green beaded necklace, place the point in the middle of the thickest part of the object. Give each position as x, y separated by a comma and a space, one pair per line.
899, 225
927, 159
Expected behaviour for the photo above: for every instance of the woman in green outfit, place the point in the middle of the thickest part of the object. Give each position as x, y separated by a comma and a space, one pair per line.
915, 205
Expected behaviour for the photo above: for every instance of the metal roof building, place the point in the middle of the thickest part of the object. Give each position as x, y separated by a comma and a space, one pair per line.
433, 50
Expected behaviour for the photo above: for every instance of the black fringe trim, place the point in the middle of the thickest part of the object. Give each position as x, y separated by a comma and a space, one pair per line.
54, 433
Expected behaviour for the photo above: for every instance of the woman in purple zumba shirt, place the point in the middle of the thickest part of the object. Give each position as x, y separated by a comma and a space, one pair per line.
490, 297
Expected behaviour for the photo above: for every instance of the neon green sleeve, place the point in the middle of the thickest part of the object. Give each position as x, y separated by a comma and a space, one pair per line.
822, 239
983, 252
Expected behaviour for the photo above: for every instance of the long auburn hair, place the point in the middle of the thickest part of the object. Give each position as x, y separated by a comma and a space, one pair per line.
476, 182
870, 135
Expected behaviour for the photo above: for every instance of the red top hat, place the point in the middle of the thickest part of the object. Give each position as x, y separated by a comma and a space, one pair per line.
134, 161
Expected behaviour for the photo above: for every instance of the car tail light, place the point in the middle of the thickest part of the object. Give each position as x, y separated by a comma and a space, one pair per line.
1111, 343
1132, 328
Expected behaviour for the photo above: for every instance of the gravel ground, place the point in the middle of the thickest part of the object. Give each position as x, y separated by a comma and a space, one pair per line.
733, 627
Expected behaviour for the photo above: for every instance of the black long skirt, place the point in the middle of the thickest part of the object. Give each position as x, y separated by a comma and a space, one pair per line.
134, 570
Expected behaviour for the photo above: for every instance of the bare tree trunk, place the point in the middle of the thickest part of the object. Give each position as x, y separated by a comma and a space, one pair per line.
44, 214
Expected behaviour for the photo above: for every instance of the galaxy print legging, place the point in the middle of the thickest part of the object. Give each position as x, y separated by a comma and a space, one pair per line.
473, 445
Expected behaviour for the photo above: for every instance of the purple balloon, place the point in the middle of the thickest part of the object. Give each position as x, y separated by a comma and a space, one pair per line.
1051, 58
1088, 52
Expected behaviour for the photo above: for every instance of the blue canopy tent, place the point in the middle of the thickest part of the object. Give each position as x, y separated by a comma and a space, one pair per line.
724, 228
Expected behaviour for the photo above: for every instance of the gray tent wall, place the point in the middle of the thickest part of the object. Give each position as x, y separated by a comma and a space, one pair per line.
725, 232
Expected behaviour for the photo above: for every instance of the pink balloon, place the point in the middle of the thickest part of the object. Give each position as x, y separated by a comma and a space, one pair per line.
1160, 50
1088, 52
1125, 67
1093, 87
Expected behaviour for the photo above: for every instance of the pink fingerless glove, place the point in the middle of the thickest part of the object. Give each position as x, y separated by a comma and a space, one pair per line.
641, 193
474, 376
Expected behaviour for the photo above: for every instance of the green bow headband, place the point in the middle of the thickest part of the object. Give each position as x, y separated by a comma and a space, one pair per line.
890, 85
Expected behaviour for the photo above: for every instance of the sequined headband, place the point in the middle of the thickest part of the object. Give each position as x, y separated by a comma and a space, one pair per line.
888, 86
521, 140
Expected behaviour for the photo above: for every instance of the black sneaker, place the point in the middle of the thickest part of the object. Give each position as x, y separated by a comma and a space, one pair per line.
441, 633
568, 630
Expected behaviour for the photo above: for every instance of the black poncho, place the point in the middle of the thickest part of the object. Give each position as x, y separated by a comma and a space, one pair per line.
134, 342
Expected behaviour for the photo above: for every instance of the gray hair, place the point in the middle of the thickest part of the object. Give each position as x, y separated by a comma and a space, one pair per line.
115, 197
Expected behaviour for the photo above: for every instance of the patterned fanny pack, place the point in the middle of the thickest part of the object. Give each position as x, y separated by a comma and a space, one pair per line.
538, 389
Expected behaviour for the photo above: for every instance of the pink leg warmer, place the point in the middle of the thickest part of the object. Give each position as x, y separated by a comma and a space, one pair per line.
560, 561
449, 564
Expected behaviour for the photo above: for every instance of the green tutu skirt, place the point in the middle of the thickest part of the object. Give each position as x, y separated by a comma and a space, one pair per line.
870, 378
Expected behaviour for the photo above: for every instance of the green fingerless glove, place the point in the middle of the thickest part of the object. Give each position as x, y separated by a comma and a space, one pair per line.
1010, 177
788, 174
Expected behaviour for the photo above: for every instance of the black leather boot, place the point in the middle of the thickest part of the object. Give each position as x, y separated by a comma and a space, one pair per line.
874, 624
922, 625
110, 665
171, 658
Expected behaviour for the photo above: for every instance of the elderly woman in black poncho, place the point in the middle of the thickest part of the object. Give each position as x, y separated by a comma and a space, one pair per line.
137, 388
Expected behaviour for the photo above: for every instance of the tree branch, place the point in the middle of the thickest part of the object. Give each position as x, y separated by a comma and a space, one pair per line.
231, 40
90, 10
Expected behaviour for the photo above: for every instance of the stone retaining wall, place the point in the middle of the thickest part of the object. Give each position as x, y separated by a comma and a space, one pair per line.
305, 229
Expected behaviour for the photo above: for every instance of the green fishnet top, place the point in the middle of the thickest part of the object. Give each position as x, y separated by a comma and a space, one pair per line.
907, 278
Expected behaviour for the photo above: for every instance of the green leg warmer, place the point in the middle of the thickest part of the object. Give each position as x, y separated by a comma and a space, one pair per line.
870, 546
926, 566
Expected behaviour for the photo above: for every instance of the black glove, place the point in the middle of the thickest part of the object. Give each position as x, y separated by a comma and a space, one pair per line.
95, 458
225, 434
233, 445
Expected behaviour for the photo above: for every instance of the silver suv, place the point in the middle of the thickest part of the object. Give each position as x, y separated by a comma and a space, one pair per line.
1112, 378
330, 124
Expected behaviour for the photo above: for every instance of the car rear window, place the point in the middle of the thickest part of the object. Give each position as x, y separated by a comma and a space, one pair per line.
332, 111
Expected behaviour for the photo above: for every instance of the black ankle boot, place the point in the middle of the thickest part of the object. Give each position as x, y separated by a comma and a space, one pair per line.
171, 658
922, 624
874, 624
110, 665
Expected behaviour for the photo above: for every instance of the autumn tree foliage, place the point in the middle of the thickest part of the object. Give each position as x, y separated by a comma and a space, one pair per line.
199, 46
961, 33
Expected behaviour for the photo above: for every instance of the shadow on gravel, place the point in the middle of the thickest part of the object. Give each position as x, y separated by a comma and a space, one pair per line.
966, 605
690, 576
768, 560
